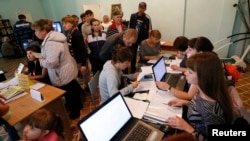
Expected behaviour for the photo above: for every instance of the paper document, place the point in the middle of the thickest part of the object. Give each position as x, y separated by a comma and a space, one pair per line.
37, 55
159, 109
136, 107
12, 92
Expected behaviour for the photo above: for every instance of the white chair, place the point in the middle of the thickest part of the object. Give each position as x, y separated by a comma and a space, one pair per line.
93, 85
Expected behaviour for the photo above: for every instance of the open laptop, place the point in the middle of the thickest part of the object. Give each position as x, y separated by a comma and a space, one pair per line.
113, 121
160, 74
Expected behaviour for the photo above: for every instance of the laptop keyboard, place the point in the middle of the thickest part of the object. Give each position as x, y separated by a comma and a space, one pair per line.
139, 133
172, 80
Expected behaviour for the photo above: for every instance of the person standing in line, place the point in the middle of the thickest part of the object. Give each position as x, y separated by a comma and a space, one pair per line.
23, 32
83, 19
105, 23
75, 43
117, 26
61, 66
95, 40
142, 23
76, 18
86, 27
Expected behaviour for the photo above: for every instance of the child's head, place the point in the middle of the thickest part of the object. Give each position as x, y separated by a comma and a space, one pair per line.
42, 122
30, 50
95, 25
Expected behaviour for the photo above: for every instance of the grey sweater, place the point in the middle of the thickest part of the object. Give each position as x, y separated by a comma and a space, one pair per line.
61, 66
110, 80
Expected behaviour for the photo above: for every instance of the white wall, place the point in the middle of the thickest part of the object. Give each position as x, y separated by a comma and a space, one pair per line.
213, 19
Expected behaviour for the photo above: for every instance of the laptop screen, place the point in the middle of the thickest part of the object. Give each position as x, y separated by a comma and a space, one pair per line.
159, 69
106, 121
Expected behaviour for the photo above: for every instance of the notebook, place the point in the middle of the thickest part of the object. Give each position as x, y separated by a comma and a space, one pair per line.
113, 121
160, 74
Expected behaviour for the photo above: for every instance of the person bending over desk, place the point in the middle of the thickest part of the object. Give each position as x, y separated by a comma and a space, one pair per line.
208, 106
110, 81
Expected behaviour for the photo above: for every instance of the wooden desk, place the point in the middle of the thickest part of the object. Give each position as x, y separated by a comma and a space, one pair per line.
168, 46
24, 106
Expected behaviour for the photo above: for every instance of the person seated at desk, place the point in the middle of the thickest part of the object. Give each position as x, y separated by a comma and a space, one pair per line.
43, 125
5, 127
33, 68
198, 45
7, 49
211, 105
181, 44
150, 48
195, 45
111, 77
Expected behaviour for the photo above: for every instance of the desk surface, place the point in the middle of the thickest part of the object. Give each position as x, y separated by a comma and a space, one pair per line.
26, 105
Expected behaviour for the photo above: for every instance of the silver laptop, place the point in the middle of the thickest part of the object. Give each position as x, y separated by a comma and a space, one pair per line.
113, 121
160, 74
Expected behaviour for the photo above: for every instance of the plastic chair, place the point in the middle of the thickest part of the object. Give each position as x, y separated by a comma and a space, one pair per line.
93, 85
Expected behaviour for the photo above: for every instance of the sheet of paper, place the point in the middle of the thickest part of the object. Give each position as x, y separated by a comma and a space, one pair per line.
136, 107
23, 81
37, 86
37, 55
11, 91
36, 95
8, 83
140, 96
170, 70
158, 107
16, 97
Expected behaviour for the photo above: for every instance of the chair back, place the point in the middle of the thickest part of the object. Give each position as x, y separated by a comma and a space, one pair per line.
93, 84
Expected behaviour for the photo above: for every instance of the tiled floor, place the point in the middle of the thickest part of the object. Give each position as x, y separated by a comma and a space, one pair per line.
243, 86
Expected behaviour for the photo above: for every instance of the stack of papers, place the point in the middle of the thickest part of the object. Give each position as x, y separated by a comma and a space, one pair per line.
12, 92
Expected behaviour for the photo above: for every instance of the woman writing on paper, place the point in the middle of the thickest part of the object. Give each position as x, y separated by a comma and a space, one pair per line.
150, 48
211, 105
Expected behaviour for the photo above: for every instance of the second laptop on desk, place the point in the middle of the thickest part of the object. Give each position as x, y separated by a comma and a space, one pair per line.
160, 74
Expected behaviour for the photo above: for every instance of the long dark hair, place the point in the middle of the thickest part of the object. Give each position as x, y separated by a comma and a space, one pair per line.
211, 80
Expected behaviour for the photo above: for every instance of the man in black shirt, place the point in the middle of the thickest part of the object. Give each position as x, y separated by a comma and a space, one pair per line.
142, 23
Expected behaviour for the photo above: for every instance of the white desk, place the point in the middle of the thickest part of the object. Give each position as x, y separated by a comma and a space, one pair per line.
157, 106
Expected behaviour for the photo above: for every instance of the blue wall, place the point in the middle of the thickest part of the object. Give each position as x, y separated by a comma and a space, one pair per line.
8, 9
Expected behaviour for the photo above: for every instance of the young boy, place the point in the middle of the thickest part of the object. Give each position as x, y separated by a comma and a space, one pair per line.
33, 68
